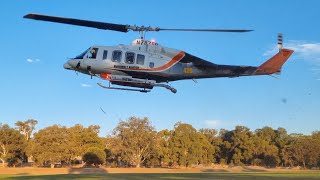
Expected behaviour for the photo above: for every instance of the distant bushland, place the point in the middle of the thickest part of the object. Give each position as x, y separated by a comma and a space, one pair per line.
135, 143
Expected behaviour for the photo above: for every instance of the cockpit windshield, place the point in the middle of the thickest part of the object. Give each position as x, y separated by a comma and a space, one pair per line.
81, 56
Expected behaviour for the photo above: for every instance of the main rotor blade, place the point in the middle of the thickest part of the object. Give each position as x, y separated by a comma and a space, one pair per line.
79, 22
118, 27
207, 30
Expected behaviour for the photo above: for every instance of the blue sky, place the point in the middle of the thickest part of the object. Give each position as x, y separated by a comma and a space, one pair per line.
35, 85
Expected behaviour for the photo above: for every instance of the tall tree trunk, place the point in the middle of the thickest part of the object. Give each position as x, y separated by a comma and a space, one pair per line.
3, 163
138, 160
51, 163
138, 165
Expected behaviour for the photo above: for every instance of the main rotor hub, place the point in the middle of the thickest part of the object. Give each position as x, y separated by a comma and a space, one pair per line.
142, 28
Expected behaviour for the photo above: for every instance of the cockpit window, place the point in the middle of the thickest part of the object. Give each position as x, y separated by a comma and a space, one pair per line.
81, 56
93, 53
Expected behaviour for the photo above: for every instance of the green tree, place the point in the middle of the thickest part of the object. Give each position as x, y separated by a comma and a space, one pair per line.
223, 154
215, 141
207, 150
182, 146
164, 149
51, 145
26, 127
94, 156
239, 145
82, 138
12, 145
316, 136
265, 149
281, 140
289, 151
210, 134
305, 150
58, 143
189, 147
134, 141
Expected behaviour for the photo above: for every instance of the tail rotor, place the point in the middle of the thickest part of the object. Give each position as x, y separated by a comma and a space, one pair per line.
280, 41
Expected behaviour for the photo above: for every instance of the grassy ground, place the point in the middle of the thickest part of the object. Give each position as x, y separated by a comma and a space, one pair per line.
181, 176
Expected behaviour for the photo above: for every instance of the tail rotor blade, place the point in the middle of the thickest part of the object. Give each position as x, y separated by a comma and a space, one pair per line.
280, 40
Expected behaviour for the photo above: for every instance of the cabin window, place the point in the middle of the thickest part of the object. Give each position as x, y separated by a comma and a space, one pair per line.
151, 64
105, 54
130, 57
140, 59
93, 53
116, 56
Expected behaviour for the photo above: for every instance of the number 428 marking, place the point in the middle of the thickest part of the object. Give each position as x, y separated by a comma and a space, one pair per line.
187, 70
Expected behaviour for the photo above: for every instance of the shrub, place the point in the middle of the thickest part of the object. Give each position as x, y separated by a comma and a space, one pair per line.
94, 156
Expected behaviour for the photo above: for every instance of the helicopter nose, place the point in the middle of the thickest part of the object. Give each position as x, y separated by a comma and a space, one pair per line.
67, 66
73, 63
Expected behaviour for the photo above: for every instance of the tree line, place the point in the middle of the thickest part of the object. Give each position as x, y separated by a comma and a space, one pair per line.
135, 143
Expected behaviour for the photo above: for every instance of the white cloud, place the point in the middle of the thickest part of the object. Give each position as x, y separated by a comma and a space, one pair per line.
29, 60
315, 69
303, 51
212, 123
271, 51
86, 85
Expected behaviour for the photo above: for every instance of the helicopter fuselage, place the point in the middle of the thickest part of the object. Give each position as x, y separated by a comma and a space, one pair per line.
148, 60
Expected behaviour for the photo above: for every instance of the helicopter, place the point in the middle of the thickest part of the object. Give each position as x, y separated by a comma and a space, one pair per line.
145, 64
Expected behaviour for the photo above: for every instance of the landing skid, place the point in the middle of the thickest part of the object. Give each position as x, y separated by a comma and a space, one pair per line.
124, 89
144, 84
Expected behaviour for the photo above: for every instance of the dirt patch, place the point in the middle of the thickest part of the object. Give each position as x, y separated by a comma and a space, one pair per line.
236, 169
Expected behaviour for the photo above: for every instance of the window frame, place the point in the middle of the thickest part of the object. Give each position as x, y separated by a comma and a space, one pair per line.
126, 55
105, 55
112, 58
152, 64
144, 57
96, 53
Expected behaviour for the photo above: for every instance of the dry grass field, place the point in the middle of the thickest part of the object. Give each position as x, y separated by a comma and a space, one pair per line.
158, 173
